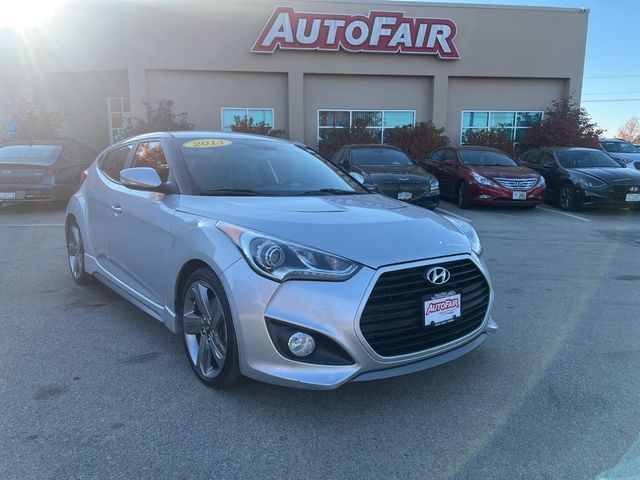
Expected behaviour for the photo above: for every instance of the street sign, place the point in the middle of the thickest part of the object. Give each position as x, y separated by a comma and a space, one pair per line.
12, 129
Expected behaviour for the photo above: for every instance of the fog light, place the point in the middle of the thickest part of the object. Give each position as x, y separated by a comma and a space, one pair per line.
485, 197
301, 344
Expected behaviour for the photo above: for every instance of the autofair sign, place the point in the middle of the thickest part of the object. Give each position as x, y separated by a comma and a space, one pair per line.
386, 32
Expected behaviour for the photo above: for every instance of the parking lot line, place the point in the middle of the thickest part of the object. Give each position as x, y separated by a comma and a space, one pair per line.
447, 212
564, 213
14, 225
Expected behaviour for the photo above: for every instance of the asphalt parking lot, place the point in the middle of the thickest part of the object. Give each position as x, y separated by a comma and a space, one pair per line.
91, 387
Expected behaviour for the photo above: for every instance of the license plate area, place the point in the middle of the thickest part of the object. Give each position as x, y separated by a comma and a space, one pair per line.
7, 195
633, 197
519, 195
442, 308
405, 196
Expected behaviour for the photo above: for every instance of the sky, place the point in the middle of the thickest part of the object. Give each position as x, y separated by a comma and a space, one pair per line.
611, 89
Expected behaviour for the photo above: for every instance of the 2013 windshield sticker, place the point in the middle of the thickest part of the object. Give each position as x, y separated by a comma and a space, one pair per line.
207, 143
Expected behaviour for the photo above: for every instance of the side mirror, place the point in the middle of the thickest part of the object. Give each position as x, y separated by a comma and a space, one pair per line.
140, 178
357, 177
549, 165
449, 161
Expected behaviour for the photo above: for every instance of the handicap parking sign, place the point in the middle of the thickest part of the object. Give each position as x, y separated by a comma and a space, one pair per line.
12, 129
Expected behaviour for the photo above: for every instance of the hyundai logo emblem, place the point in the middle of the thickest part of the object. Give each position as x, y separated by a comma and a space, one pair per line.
438, 275
634, 189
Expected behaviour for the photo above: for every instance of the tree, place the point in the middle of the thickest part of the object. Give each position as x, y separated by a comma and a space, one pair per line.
565, 124
36, 121
494, 138
358, 133
418, 140
159, 119
630, 131
246, 125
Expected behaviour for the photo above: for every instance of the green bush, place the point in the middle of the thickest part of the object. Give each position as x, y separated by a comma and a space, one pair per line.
358, 133
565, 124
159, 119
36, 121
246, 125
489, 138
417, 141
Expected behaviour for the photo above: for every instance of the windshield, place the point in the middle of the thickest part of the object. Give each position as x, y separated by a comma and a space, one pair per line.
379, 157
485, 158
586, 159
620, 147
260, 167
30, 154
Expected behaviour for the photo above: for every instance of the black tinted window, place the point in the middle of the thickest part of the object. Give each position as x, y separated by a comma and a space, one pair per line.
150, 154
586, 159
619, 147
260, 167
30, 154
486, 158
437, 155
113, 162
379, 157
449, 155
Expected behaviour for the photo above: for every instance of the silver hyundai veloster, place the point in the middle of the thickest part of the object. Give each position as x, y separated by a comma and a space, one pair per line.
270, 262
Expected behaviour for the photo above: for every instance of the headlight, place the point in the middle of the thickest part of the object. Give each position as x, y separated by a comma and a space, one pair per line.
590, 182
470, 232
435, 185
541, 182
480, 179
282, 260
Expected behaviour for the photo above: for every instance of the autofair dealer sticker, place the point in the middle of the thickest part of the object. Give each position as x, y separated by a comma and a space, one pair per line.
442, 308
379, 31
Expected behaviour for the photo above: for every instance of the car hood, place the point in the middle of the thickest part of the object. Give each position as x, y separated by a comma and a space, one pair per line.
612, 176
627, 157
370, 229
504, 172
378, 175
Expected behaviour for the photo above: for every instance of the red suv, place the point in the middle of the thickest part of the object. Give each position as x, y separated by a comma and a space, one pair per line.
484, 175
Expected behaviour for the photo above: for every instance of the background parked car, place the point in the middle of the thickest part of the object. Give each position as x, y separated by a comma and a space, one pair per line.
622, 150
389, 171
42, 170
578, 177
473, 174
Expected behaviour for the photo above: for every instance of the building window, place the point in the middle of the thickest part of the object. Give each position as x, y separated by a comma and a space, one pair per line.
258, 115
378, 121
119, 109
514, 124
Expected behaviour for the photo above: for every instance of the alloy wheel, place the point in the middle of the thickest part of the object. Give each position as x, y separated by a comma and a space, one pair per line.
75, 252
205, 329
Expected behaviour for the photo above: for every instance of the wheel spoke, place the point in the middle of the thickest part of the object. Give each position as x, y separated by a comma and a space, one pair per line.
204, 355
219, 349
200, 295
192, 323
217, 317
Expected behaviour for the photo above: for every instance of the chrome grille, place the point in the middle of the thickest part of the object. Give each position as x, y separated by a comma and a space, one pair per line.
521, 184
391, 189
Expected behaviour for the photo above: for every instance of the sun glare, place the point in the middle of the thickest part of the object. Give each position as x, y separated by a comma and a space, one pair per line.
23, 14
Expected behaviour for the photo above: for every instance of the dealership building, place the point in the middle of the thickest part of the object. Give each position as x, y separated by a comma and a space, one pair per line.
301, 66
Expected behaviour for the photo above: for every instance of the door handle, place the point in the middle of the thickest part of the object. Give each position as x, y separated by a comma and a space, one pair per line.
116, 209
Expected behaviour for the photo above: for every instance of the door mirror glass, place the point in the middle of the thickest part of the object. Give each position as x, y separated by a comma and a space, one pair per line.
548, 164
140, 178
449, 161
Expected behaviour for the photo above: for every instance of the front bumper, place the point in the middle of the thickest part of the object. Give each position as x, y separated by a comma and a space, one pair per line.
604, 198
332, 309
432, 200
484, 194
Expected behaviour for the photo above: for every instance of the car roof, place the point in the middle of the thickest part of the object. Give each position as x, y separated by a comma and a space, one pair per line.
476, 147
198, 134
619, 140
58, 141
371, 145
568, 149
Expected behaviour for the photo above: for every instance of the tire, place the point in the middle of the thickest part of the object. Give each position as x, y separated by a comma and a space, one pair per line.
75, 255
463, 196
207, 331
568, 198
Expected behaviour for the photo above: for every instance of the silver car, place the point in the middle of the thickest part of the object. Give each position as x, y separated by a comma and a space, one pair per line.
270, 262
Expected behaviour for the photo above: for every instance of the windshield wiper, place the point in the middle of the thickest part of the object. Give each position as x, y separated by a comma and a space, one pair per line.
241, 192
330, 191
